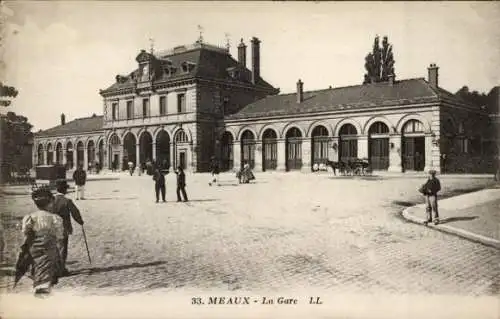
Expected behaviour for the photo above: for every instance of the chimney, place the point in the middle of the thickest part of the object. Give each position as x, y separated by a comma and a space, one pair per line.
255, 60
391, 79
433, 76
63, 119
300, 91
242, 54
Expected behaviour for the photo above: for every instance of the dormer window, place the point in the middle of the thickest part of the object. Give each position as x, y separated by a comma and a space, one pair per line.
187, 67
121, 79
145, 72
169, 71
184, 67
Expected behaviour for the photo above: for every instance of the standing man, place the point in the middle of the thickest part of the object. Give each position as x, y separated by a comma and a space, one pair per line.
214, 168
430, 190
131, 167
181, 184
65, 208
80, 178
159, 184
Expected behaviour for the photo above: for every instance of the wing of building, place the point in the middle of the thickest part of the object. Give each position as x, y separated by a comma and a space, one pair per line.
182, 106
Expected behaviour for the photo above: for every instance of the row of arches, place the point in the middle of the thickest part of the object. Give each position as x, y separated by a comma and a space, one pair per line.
144, 149
68, 154
323, 145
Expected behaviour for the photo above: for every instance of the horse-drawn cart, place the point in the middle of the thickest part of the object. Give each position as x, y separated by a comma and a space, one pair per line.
359, 167
47, 175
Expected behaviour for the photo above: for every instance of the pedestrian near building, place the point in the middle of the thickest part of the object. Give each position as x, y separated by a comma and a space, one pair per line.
214, 169
43, 236
131, 168
181, 184
66, 209
430, 189
80, 178
159, 179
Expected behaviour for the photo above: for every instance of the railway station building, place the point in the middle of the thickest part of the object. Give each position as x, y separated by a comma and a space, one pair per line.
183, 106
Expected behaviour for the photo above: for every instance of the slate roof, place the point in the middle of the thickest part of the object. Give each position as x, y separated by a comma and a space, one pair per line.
208, 64
76, 126
404, 92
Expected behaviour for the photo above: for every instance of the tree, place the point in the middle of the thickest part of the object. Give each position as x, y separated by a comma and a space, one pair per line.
6, 92
15, 142
474, 97
379, 64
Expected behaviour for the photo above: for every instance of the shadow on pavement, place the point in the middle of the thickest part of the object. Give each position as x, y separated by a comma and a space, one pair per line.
110, 198
103, 179
404, 203
97, 270
204, 200
456, 219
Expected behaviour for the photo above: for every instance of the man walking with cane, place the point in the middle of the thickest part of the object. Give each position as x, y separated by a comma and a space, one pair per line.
65, 208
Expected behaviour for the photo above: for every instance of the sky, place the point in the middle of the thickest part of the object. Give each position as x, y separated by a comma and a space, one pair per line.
59, 54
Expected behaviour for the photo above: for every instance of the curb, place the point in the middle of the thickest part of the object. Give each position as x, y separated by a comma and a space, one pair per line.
407, 214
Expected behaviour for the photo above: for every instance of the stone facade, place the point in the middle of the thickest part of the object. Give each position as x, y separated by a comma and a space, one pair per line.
184, 106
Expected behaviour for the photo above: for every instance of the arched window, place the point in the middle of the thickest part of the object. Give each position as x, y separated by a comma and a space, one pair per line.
378, 128
40, 154
115, 140
413, 126
348, 129
181, 137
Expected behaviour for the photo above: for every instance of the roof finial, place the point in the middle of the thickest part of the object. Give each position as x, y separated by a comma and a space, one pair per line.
152, 45
228, 41
200, 29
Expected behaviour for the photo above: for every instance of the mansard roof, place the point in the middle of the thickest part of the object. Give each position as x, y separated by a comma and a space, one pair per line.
77, 126
403, 92
207, 62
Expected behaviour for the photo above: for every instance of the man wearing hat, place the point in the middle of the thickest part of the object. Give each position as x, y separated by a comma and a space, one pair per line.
65, 208
430, 190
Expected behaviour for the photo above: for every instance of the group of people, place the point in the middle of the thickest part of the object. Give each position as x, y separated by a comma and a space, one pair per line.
46, 236
160, 185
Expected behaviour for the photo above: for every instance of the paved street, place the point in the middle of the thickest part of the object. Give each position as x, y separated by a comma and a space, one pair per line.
285, 232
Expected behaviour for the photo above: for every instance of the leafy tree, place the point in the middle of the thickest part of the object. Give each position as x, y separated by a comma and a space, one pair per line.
7, 91
15, 138
474, 97
379, 64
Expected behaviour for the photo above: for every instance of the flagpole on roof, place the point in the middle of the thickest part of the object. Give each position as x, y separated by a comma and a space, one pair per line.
200, 29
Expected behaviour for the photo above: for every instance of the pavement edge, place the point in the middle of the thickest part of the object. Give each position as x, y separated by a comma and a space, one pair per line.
408, 215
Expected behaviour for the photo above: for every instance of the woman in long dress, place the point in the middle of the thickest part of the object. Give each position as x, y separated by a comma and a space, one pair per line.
44, 235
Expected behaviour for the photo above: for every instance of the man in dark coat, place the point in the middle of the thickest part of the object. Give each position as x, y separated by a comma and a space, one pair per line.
430, 190
181, 184
80, 178
65, 208
159, 184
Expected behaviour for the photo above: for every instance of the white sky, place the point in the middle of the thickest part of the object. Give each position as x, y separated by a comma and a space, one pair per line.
64, 52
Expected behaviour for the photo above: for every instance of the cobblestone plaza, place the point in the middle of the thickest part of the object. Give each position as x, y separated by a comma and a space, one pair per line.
342, 234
